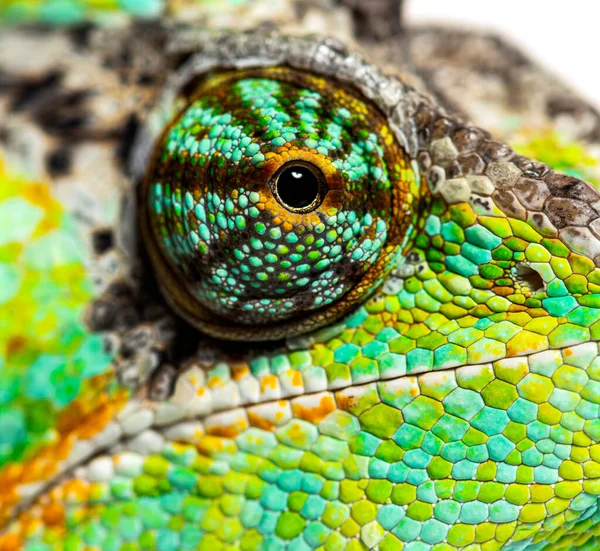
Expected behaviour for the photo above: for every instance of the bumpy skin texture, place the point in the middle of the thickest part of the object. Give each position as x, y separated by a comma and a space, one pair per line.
457, 407
222, 228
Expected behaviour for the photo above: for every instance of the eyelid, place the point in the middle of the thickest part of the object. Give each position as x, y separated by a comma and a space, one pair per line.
209, 51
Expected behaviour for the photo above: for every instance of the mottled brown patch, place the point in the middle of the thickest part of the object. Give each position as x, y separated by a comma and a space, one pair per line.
15, 344
569, 212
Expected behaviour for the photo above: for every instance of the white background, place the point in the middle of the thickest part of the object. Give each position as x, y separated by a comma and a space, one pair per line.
563, 35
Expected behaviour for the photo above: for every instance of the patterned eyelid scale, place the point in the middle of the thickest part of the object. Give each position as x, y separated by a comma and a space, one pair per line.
405, 359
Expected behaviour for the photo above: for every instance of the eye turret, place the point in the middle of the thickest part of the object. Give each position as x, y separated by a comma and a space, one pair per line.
274, 203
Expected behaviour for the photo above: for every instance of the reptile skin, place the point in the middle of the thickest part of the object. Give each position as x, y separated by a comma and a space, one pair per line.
410, 362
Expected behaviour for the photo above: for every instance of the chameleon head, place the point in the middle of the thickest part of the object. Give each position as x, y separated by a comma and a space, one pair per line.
457, 406
274, 197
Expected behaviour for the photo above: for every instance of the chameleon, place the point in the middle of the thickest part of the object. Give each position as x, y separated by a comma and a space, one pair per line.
267, 284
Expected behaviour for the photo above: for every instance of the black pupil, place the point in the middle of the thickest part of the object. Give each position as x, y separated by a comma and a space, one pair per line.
298, 187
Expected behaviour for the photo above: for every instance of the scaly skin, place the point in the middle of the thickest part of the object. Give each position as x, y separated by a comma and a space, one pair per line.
456, 405
207, 197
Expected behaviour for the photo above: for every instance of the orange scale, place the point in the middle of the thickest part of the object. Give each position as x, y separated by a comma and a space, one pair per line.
317, 413
11, 474
47, 467
272, 205
308, 218
257, 421
34, 469
268, 381
345, 401
11, 542
53, 514
10, 498
228, 431
77, 489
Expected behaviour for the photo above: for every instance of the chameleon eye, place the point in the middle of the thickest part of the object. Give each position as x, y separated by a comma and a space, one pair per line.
275, 202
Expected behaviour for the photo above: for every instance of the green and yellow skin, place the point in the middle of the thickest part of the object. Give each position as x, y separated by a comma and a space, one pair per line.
418, 369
